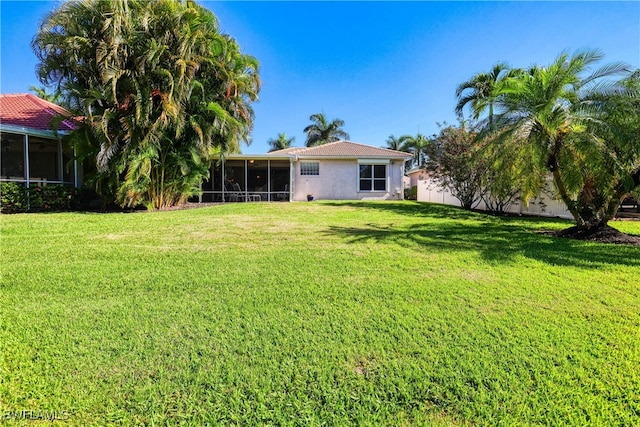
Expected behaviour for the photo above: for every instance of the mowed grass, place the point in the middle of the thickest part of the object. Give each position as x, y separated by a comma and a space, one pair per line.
367, 313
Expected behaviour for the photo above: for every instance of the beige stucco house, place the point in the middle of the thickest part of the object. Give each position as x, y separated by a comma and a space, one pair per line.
416, 174
32, 155
341, 170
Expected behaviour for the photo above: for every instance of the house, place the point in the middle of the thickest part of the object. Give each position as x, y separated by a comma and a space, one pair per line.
416, 174
341, 170
32, 154
30, 151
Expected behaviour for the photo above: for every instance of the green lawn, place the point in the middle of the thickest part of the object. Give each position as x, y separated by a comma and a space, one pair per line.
368, 313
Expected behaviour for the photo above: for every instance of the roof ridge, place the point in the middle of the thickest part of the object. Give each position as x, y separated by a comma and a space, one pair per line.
358, 144
381, 148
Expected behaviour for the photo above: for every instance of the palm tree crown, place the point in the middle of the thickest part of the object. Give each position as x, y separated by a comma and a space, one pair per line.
397, 143
548, 116
481, 91
416, 145
160, 87
281, 142
322, 131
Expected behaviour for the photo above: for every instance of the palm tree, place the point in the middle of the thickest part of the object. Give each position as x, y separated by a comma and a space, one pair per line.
158, 102
417, 146
281, 142
398, 144
42, 93
481, 91
322, 131
550, 119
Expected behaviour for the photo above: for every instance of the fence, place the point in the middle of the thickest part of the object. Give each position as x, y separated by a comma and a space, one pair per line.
544, 205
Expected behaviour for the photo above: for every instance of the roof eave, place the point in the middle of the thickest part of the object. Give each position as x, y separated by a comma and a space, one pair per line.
255, 156
31, 131
350, 157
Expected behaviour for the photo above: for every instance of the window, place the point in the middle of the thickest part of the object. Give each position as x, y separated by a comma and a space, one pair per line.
309, 168
373, 177
12, 156
44, 159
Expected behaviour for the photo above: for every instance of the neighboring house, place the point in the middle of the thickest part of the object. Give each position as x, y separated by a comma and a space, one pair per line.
340, 170
416, 174
30, 151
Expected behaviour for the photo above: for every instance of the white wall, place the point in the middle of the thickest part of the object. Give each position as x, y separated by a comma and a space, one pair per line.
544, 205
338, 180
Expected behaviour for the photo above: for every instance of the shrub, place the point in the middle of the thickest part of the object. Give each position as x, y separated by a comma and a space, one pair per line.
413, 193
15, 197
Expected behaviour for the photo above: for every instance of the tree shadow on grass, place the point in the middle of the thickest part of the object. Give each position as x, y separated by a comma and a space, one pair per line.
497, 240
411, 209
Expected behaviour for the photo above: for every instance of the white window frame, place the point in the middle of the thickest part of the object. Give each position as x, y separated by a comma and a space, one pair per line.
373, 163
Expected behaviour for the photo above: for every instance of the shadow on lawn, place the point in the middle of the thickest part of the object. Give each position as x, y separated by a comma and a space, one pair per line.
496, 239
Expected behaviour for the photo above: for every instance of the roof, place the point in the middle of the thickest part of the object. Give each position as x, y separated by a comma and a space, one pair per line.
347, 149
24, 110
416, 169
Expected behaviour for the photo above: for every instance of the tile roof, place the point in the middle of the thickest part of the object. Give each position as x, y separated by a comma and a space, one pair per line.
343, 149
28, 111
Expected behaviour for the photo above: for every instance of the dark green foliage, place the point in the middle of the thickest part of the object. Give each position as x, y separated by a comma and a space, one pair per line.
160, 88
281, 142
16, 198
411, 193
418, 146
13, 197
453, 162
567, 121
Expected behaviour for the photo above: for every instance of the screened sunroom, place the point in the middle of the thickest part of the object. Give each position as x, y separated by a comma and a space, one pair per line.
30, 151
248, 178
35, 158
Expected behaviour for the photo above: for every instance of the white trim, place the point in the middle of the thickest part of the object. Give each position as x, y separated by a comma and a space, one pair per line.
374, 161
33, 132
27, 171
373, 179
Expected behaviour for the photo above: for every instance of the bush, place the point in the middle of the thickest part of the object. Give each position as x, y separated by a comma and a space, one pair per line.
413, 193
15, 197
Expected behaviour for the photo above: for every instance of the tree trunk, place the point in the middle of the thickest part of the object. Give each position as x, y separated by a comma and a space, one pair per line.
562, 191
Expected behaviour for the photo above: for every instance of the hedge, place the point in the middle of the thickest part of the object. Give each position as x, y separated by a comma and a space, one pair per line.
16, 197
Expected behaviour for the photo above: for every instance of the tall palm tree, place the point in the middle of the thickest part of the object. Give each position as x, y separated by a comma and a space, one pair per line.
322, 131
480, 92
161, 89
281, 142
417, 146
547, 119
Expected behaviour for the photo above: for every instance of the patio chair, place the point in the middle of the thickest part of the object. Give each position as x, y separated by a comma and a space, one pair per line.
283, 195
235, 193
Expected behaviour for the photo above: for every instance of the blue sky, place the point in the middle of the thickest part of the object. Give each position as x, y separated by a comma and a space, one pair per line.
382, 67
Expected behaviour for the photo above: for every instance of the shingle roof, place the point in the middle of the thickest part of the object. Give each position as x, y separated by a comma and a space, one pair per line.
28, 111
343, 149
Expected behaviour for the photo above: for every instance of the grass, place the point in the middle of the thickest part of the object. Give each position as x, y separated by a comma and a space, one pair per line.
313, 314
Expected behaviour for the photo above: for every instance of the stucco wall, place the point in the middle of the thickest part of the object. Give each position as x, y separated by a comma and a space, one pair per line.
415, 176
338, 180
